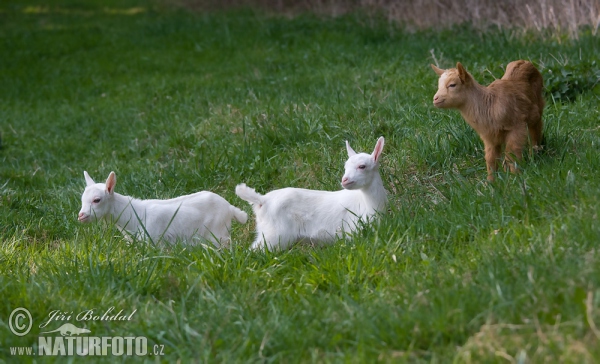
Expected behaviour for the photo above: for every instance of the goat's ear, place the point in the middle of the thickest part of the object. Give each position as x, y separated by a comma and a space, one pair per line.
437, 70
351, 151
462, 72
88, 180
378, 149
111, 181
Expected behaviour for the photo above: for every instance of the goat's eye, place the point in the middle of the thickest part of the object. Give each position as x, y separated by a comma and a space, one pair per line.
362, 166
96, 200
452, 85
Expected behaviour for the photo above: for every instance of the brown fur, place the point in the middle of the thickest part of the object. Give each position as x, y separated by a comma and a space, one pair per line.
503, 113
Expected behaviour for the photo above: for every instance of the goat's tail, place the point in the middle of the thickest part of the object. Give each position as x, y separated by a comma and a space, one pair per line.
524, 71
249, 194
239, 215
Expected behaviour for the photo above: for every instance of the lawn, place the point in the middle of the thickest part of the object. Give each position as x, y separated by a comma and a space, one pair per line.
458, 269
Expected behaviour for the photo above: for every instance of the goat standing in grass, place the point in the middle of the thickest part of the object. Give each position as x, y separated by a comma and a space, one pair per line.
201, 215
503, 113
291, 215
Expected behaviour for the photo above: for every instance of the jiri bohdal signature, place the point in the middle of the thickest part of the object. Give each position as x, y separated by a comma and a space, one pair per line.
88, 315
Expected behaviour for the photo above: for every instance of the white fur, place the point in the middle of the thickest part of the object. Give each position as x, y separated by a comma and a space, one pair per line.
290, 215
201, 215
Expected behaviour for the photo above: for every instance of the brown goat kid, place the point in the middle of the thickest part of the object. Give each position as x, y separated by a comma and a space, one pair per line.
502, 113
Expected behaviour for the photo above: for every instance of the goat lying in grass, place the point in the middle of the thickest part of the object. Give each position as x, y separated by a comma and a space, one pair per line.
201, 215
290, 215
502, 113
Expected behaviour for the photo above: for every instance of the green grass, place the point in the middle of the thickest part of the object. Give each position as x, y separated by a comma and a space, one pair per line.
458, 270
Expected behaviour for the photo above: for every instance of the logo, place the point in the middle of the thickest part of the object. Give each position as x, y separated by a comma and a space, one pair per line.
17, 321
70, 339
68, 330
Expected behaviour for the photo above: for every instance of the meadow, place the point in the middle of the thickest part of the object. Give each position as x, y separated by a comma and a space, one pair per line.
457, 270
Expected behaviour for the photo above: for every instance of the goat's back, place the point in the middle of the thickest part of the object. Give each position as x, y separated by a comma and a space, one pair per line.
304, 202
201, 214
289, 215
202, 198
525, 71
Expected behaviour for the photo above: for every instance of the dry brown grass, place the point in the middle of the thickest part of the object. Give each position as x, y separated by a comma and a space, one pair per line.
554, 16
533, 343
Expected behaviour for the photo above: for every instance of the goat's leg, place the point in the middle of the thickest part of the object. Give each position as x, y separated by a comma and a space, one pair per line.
515, 141
492, 153
535, 133
270, 240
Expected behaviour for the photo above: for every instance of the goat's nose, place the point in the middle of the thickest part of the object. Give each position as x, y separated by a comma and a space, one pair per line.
435, 98
345, 179
81, 214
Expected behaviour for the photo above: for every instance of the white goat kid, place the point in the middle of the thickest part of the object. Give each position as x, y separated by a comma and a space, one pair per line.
190, 218
290, 215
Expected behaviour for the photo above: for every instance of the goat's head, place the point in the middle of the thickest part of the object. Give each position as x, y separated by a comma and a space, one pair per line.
361, 168
451, 87
96, 198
